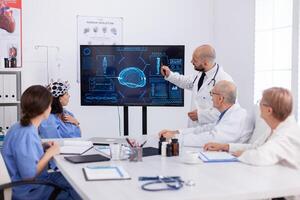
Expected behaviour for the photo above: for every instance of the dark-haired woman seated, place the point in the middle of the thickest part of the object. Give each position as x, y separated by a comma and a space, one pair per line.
61, 123
23, 151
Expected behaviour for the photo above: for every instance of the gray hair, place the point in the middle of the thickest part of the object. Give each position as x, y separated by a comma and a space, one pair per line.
228, 90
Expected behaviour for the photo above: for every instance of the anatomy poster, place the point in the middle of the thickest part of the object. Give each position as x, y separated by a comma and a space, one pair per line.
93, 30
10, 33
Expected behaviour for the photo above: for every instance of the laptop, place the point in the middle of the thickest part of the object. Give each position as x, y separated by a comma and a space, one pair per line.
107, 141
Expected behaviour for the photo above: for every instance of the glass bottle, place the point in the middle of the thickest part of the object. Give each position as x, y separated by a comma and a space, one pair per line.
161, 139
175, 147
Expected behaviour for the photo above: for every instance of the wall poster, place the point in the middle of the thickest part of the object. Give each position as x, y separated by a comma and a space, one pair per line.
10, 33
92, 30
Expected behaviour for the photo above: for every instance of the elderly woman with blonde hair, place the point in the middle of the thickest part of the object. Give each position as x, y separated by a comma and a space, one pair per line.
283, 144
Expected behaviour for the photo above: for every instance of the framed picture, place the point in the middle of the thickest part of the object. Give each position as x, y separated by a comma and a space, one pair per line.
10, 33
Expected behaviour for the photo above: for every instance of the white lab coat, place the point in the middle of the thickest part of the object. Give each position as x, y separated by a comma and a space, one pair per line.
283, 146
201, 100
260, 134
231, 128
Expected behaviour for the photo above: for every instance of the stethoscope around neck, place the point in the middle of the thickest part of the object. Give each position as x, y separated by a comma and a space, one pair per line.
213, 80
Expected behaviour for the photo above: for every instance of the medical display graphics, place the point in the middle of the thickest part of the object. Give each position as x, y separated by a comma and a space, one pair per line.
127, 75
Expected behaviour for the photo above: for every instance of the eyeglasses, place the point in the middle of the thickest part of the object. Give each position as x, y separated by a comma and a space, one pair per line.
213, 93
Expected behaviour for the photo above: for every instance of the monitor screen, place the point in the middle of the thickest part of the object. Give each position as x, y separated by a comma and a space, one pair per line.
129, 75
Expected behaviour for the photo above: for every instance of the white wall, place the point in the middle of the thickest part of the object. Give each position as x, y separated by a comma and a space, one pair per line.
233, 33
53, 22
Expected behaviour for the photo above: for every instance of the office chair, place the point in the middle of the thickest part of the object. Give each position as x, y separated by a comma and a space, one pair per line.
6, 184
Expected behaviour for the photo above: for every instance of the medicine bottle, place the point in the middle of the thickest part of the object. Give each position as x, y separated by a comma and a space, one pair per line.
175, 147
13, 62
169, 150
6, 63
164, 148
161, 139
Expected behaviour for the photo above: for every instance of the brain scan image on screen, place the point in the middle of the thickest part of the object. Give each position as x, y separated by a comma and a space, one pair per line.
132, 77
129, 75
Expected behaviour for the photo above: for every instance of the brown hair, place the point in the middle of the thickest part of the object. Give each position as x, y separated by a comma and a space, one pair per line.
280, 100
34, 101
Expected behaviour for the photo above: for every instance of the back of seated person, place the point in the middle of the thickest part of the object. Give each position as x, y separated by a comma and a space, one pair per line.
23, 151
61, 122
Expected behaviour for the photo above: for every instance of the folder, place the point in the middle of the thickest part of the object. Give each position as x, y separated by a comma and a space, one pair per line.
75, 147
1, 89
10, 88
216, 156
87, 158
10, 116
13, 88
2, 120
150, 151
100, 173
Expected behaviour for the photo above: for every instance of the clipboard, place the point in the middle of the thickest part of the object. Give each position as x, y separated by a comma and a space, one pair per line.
216, 156
104, 173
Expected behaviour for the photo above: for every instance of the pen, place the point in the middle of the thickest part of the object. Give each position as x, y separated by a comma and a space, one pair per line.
143, 143
128, 141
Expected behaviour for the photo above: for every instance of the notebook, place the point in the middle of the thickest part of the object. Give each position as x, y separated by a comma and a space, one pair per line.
75, 147
87, 158
99, 173
217, 156
150, 151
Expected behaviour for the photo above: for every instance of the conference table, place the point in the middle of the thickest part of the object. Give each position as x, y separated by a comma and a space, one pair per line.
225, 180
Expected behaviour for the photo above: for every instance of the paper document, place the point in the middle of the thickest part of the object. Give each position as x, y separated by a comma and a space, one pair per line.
93, 173
217, 156
103, 149
75, 147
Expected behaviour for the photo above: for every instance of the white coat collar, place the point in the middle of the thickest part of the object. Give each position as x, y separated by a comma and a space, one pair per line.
287, 122
210, 73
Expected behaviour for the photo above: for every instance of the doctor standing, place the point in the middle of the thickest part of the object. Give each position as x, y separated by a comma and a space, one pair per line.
209, 73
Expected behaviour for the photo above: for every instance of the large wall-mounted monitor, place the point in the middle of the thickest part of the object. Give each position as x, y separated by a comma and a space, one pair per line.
129, 75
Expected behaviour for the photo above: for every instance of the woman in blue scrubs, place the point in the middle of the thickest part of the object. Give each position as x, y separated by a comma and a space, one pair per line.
23, 151
61, 122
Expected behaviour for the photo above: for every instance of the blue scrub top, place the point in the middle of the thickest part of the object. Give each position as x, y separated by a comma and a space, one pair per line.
22, 150
54, 127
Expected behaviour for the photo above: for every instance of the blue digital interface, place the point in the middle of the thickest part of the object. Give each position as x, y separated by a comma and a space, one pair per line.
129, 75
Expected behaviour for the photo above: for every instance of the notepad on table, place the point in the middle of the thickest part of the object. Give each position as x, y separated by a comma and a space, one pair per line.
74, 147
217, 156
97, 173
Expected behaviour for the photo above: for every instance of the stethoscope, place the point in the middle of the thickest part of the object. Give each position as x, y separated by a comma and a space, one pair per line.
171, 183
213, 80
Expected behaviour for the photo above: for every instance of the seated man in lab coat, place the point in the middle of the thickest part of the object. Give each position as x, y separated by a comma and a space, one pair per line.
231, 125
260, 134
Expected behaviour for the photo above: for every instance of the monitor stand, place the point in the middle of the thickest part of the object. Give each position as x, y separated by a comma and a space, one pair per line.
144, 120
125, 118
144, 113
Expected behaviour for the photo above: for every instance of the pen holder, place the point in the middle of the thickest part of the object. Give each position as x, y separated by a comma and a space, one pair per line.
136, 154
